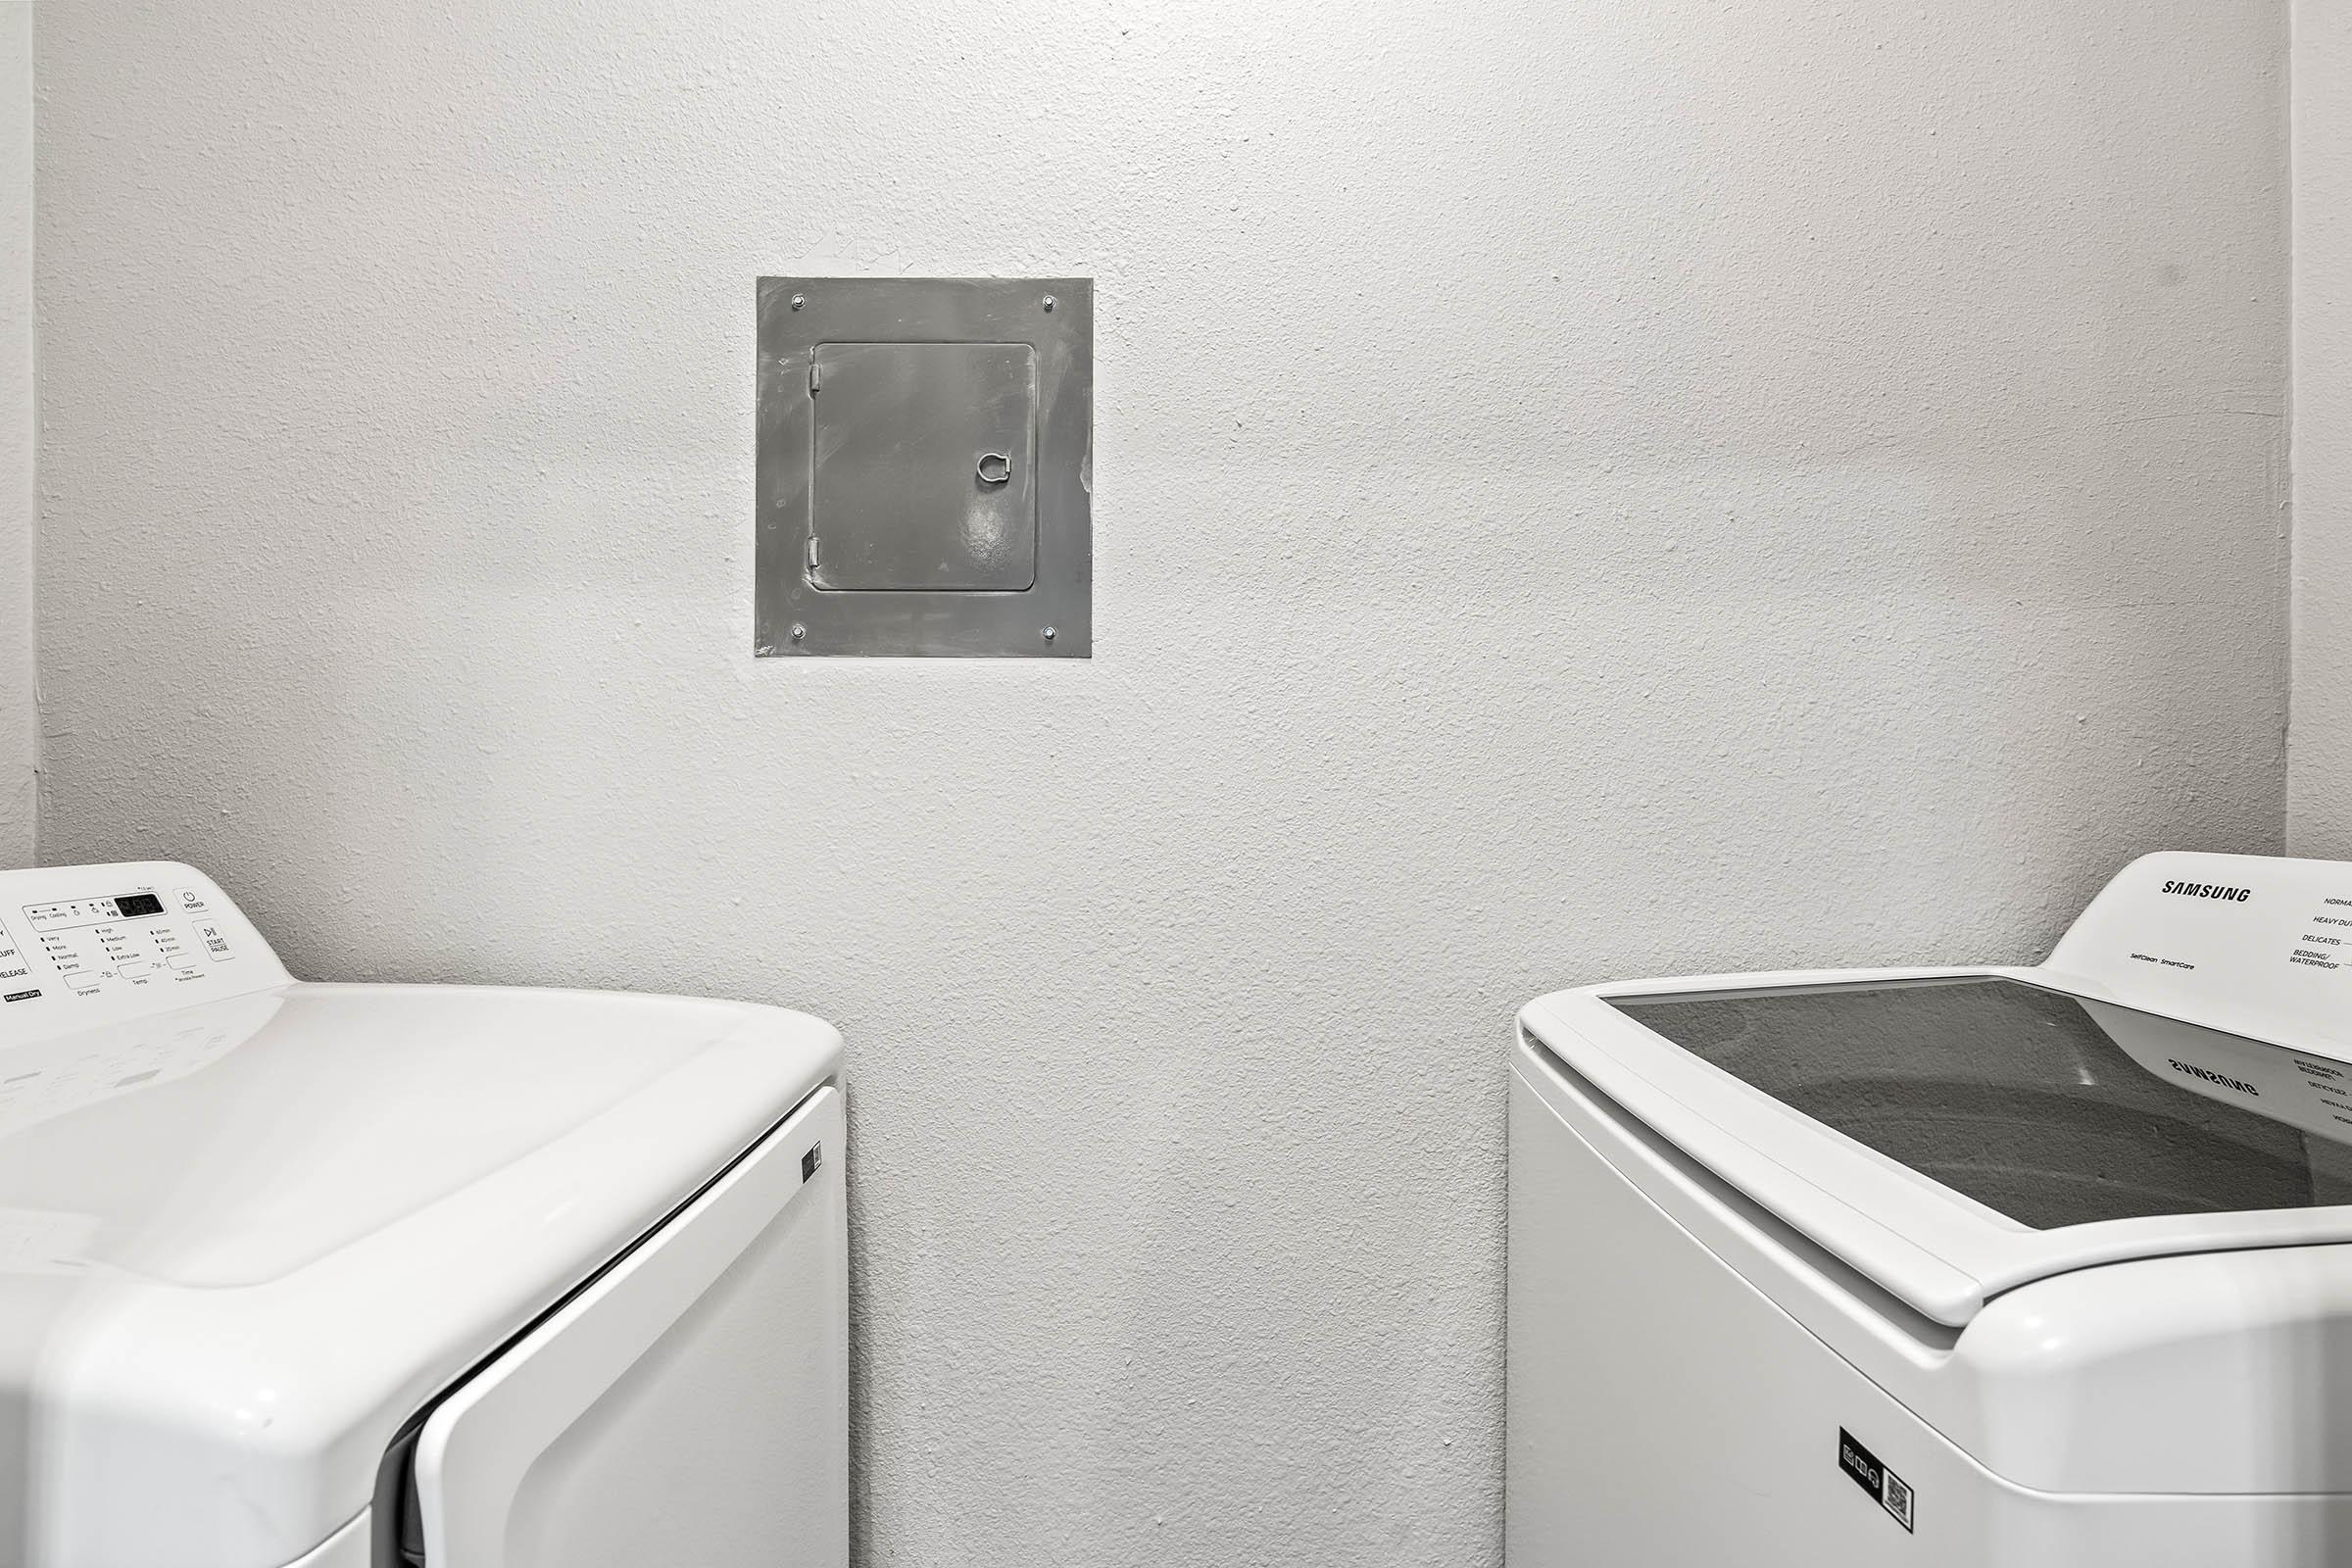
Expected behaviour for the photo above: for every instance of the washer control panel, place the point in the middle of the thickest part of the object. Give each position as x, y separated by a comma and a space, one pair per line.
93, 944
2248, 943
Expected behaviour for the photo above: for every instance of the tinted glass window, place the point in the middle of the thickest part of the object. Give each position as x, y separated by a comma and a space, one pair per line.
2047, 1109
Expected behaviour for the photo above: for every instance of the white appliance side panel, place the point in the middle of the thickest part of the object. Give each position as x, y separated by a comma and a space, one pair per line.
690, 1407
1663, 1411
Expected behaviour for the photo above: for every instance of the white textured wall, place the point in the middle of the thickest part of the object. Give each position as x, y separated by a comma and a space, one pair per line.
2318, 795
1583, 489
18, 721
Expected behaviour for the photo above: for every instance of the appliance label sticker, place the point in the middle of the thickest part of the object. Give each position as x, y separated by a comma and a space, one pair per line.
1884, 1486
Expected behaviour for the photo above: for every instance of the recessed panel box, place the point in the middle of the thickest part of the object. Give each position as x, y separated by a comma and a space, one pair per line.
923, 466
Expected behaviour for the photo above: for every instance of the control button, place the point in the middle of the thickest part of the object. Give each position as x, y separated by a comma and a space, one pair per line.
134, 968
190, 898
216, 946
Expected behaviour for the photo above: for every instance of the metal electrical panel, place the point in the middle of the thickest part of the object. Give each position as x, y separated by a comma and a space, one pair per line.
925, 447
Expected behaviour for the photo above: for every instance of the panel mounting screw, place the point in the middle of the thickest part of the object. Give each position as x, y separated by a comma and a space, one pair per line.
1048, 634
798, 632
1047, 301
799, 300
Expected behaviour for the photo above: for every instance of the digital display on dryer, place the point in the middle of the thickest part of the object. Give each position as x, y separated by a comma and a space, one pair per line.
138, 905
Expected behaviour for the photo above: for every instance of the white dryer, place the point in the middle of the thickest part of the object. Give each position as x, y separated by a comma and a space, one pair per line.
360, 1275
2043, 1267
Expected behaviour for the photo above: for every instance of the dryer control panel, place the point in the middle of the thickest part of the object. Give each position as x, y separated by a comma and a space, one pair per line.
87, 945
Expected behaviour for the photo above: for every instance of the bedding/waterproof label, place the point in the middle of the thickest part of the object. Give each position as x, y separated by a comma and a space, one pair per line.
1886, 1487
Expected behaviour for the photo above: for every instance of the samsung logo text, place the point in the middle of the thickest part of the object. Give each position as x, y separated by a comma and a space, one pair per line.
2209, 890
2238, 1084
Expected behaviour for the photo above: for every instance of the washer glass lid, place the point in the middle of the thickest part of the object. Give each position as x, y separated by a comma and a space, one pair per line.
2049, 1108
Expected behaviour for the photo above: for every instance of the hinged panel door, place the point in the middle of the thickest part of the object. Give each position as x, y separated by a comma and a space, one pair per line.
924, 472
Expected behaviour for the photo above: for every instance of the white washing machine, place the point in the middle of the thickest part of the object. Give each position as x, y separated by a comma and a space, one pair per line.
360, 1275
2043, 1267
